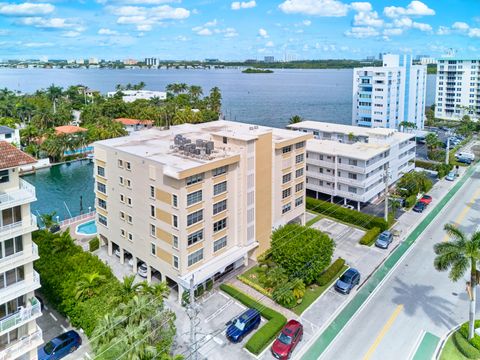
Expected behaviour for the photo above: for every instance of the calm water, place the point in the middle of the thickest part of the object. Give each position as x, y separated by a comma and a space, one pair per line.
61, 186
264, 99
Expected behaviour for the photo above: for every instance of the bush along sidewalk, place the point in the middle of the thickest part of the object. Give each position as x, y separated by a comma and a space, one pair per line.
331, 272
267, 333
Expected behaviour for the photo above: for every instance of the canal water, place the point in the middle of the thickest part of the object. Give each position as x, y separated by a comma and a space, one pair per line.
66, 189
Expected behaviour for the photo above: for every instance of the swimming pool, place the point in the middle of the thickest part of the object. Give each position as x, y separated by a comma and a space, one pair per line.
87, 228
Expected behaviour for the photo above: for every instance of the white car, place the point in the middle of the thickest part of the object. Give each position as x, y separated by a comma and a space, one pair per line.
142, 270
117, 252
351, 207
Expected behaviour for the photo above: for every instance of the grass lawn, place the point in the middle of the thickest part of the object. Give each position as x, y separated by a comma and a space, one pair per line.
321, 216
450, 352
313, 292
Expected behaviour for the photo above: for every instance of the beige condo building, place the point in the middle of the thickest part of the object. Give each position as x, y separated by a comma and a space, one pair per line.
198, 200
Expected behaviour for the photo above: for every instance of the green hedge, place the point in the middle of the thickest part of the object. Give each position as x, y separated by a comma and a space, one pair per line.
370, 236
410, 201
346, 215
265, 335
464, 331
429, 165
330, 272
464, 346
254, 285
94, 244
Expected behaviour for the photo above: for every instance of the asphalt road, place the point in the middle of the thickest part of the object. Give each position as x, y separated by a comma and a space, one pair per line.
415, 298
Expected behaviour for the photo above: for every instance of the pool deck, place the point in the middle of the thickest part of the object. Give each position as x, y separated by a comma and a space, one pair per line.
81, 240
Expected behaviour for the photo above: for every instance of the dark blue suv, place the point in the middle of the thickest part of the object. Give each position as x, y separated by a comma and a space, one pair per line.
243, 325
60, 346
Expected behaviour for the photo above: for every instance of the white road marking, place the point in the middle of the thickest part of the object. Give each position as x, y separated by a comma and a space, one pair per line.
53, 316
218, 341
225, 296
45, 307
416, 344
64, 328
219, 311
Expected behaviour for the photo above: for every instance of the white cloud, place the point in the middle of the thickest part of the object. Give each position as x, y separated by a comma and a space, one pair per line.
270, 44
211, 23
474, 32
105, 31
415, 8
443, 30
362, 32
181, 38
306, 22
237, 5
422, 26
263, 33
367, 18
71, 34
139, 2
37, 44
49, 23
408, 23
204, 32
393, 32
361, 6
144, 27
314, 7
230, 32
459, 25
145, 18
25, 9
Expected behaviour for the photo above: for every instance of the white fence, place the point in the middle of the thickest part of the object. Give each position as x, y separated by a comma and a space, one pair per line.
89, 215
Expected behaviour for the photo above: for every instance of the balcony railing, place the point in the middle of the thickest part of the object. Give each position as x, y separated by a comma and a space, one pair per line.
27, 343
23, 287
14, 257
25, 193
11, 229
21, 316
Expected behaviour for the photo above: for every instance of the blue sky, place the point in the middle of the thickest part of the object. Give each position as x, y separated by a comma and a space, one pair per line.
230, 30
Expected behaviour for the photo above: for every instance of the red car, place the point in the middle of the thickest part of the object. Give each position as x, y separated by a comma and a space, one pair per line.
288, 339
426, 199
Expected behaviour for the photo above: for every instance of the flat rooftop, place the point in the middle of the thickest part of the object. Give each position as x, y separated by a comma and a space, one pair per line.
359, 150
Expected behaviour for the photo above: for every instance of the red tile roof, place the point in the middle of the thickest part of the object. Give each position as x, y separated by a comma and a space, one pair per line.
128, 122
11, 157
69, 129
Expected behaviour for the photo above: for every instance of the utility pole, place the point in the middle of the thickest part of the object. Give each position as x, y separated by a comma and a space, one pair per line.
447, 150
386, 176
192, 313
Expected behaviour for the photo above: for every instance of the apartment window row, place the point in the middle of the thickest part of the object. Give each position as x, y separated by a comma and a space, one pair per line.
194, 217
299, 187
194, 197
219, 244
152, 192
286, 149
220, 171
299, 158
101, 171
219, 225
124, 164
298, 173
124, 181
12, 276
219, 188
195, 179
286, 178
286, 193
195, 237
11, 246
300, 145
195, 257
219, 207
286, 208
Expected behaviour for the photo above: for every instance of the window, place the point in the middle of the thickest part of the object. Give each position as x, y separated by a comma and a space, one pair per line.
101, 187
195, 257
299, 187
175, 221
129, 201
4, 176
220, 225
152, 192
153, 249
219, 207
102, 203
194, 179
352, 176
122, 232
299, 158
219, 171
194, 217
130, 237
352, 162
152, 210
120, 163
101, 171
299, 172
129, 219
286, 178
300, 145
128, 166
11, 246
122, 215
219, 188
194, 197
175, 261
120, 180
286, 149
122, 198
153, 230
286, 208
219, 244
224, 140
174, 200
12, 276
175, 241
298, 201
195, 237
352, 189
102, 219
129, 183
286, 193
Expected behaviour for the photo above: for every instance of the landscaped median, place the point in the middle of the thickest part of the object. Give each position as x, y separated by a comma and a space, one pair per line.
267, 333
458, 347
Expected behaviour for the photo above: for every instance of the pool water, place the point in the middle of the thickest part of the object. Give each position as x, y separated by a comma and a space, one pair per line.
87, 228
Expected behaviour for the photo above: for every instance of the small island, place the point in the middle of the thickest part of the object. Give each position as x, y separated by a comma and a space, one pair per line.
257, 71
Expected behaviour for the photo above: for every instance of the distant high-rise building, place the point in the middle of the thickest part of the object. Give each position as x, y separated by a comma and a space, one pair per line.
93, 61
212, 60
427, 60
130, 62
151, 61
80, 61
370, 58
458, 88
385, 96
269, 59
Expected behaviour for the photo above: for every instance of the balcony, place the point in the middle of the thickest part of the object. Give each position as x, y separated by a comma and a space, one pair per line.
322, 176
13, 291
18, 348
18, 257
21, 316
23, 195
20, 227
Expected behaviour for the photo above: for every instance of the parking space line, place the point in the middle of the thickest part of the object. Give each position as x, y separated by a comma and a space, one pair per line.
225, 296
219, 311
53, 316
64, 328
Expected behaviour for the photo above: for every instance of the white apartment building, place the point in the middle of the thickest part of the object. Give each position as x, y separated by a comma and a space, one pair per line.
10, 135
351, 162
132, 95
198, 200
389, 95
19, 334
458, 88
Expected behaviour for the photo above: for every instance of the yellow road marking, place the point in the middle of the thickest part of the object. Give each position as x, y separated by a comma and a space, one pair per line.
383, 332
464, 212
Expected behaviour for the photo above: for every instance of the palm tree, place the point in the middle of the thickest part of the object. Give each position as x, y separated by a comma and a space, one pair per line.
458, 256
432, 141
195, 92
53, 93
48, 219
87, 286
215, 100
63, 242
128, 288
295, 119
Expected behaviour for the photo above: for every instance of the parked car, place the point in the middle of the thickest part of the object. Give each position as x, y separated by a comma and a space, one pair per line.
117, 252
467, 155
290, 336
419, 207
464, 160
243, 325
142, 270
347, 281
451, 176
346, 206
60, 346
384, 239
426, 199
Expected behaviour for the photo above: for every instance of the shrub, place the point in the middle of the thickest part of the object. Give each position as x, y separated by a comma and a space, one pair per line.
254, 285
260, 340
209, 285
370, 236
331, 271
410, 201
464, 331
301, 251
443, 170
464, 346
186, 298
429, 165
94, 244
199, 290
346, 215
